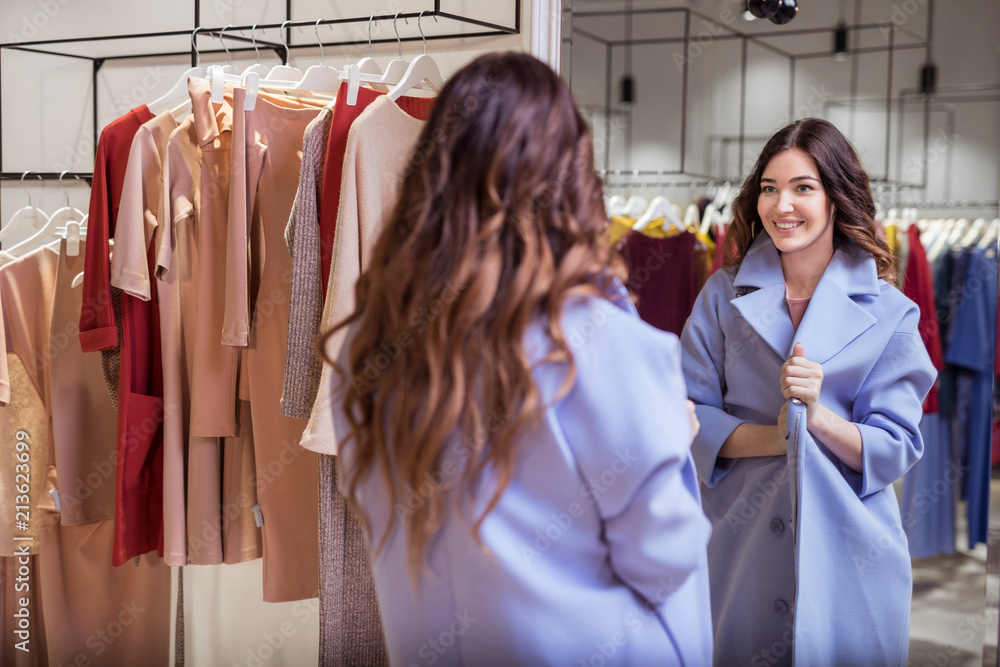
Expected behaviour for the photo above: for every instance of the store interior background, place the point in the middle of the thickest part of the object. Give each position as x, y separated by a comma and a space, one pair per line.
47, 118
640, 144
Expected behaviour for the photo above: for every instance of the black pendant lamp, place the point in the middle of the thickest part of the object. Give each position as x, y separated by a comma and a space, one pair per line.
778, 12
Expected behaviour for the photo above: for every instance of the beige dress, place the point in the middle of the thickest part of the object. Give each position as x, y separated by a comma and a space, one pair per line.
266, 162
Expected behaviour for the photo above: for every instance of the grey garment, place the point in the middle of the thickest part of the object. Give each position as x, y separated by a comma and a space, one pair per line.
350, 625
303, 367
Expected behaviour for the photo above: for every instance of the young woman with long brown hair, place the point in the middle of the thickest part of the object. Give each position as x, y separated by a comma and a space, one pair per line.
515, 440
808, 373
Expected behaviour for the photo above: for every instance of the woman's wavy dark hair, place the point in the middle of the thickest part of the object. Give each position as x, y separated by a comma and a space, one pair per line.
499, 222
843, 178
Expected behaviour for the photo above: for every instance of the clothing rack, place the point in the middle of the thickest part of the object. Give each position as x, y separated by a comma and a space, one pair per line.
480, 28
722, 31
985, 204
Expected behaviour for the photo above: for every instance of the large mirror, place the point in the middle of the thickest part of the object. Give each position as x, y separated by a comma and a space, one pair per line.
682, 96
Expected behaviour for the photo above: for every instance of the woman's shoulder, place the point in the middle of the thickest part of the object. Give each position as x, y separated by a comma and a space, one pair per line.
606, 341
893, 308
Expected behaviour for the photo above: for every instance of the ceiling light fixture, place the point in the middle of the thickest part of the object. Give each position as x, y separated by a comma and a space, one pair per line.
840, 43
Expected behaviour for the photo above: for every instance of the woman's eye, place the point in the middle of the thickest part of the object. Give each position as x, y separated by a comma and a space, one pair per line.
769, 189
805, 188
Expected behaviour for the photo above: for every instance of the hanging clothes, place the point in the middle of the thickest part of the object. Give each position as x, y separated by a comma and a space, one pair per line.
258, 271
81, 591
97, 323
665, 274
971, 350
378, 150
22, 413
928, 503
303, 366
377, 153
139, 526
344, 116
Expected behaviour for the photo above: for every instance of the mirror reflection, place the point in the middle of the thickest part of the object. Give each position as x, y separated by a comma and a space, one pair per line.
688, 100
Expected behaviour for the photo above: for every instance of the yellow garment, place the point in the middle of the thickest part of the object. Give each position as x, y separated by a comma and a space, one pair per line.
890, 238
709, 252
618, 227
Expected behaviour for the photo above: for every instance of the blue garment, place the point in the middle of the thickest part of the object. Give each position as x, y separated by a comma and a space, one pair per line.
832, 595
928, 507
597, 548
972, 349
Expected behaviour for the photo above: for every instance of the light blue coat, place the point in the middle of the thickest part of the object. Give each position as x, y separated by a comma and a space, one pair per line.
808, 559
598, 545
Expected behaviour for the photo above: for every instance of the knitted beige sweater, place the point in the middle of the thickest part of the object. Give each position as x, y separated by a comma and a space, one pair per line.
379, 148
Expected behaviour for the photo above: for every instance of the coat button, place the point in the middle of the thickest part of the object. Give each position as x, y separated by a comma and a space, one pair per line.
777, 526
780, 607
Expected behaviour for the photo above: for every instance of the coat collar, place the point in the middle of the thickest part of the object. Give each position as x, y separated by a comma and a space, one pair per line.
833, 318
210, 120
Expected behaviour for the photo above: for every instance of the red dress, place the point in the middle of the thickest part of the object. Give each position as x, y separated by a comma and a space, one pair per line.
918, 285
139, 459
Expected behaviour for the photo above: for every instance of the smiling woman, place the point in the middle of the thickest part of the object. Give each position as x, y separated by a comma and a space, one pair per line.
830, 399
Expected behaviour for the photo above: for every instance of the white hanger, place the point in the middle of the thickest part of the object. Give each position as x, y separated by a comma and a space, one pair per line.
320, 77
257, 67
29, 215
976, 231
219, 75
368, 65
284, 72
992, 233
375, 77
63, 216
635, 206
180, 88
616, 205
73, 232
660, 207
421, 69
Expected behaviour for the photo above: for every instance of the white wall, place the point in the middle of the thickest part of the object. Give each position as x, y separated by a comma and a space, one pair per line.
961, 165
45, 100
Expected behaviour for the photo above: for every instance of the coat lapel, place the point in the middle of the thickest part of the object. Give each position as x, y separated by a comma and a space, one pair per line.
833, 318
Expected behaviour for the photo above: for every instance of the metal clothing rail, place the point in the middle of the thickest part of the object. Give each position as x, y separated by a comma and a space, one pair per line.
724, 32
488, 29
985, 204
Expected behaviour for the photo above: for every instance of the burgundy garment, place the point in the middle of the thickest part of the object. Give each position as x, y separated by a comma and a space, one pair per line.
333, 165
918, 285
664, 275
97, 321
139, 476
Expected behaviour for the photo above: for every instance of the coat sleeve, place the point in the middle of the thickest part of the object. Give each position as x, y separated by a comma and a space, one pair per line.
704, 362
630, 436
889, 406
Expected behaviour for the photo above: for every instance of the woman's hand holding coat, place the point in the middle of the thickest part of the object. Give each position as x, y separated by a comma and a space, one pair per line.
803, 379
